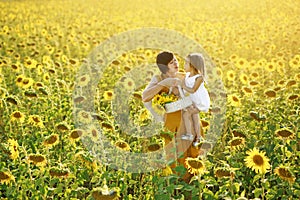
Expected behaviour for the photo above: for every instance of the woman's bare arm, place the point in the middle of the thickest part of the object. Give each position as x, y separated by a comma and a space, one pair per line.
151, 90
156, 86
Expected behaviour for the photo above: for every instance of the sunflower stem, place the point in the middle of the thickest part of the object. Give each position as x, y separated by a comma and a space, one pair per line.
200, 187
263, 189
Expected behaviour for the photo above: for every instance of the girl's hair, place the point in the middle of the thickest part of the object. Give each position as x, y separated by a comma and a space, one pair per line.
197, 61
163, 59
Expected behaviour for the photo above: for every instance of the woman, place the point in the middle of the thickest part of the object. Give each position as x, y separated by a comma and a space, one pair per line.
170, 79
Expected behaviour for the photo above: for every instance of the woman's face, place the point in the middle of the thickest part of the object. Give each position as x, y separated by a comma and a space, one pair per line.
173, 65
187, 66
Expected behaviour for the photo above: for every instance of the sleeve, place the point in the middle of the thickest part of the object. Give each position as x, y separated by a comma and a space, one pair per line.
151, 90
149, 93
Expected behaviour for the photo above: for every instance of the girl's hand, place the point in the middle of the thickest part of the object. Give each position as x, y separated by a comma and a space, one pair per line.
170, 82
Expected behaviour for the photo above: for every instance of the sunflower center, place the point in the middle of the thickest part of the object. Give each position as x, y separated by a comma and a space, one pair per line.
284, 173
235, 99
258, 160
236, 142
195, 164
284, 133
3, 176
94, 133
109, 94
14, 66
222, 173
76, 134
17, 115
37, 158
52, 139
153, 147
36, 119
122, 145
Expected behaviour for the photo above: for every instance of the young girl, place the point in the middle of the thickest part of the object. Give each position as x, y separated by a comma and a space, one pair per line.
194, 84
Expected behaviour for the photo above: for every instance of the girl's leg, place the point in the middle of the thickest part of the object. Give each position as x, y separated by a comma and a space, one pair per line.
197, 125
195, 120
187, 118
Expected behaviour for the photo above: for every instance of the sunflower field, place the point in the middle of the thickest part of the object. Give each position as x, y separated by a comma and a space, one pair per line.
254, 46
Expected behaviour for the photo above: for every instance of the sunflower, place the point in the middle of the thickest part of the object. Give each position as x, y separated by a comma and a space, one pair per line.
37, 159
79, 99
291, 83
297, 77
40, 69
237, 143
30, 63
84, 80
242, 63
6, 177
270, 66
206, 145
17, 116
166, 171
64, 59
107, 125
47, 60
13, 100
224, 173
76, 134
236, 133
257, 161
254, 74
128, 83
19, 80
84, 117
247, 90
27, 82
285, 174
137, 95
244, 78
60, 173
285, 133
231, 75
144, 115
62, 126
13, 148
153, 147
254, 83
195, 166
46, 77
30, 93
51, 140
36, 120
204, 123
234, 100
122, 145
39, 84
93, 132
270, 93
108, 95
104, 193
15, 67
73, 61
293, 97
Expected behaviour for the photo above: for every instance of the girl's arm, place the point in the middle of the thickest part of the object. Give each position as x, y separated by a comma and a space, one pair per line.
197, 84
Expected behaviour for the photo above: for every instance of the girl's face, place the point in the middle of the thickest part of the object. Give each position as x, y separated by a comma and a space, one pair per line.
173, 65
187, 66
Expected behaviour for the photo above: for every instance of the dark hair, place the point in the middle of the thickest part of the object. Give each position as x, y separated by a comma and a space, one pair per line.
163, 59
